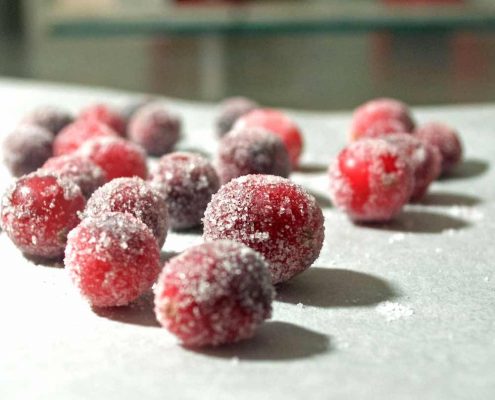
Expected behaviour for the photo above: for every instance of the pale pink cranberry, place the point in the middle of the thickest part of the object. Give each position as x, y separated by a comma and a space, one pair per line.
380, 117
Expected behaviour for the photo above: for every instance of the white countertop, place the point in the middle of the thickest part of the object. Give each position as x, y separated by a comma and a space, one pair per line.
403, 311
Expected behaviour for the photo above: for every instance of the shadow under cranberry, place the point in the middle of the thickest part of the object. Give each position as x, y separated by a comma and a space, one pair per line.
470, 168
330, 287
274, 341
416, 221
45, 262
438, 198
139, 312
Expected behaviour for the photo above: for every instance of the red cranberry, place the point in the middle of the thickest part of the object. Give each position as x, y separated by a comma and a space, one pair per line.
39, 210
82, 171
104, 114
53, 119
251, 151
133, 196
446, 140
380, 117
424, 159
187, 181
155, 129
116, 156
75, 134
26, 149
112, 259
214, 293
278, 123
133, 106
273, 216
370, 180
230, 111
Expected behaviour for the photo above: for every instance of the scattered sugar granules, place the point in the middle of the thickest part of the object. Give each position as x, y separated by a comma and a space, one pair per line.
394, 311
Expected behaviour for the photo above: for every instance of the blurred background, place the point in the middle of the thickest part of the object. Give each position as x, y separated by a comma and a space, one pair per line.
307, 54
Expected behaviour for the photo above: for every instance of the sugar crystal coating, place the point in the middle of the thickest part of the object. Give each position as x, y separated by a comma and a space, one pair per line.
82, 171
104, 114
116, 156
425, 160
280, 124
136, 197
155, 128
215, 293
381, 117
245, 151
74, 135
230, 111
446, 140
26, 149
112, 259
273, 216
187, 181
370, 180
52, 118
38, 211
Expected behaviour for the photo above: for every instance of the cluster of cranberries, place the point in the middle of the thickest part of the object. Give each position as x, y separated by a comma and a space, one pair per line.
84, 192
389, 161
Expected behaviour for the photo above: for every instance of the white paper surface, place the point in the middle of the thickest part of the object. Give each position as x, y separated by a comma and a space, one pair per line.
402, 311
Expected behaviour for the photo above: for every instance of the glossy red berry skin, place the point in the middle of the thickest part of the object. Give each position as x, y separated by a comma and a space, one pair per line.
51, 118
370, 180
155, 128
26, 149
186, 181
425, 161
38, 211
273, 216
231, 110
104, 114
117, 157
278, 123
380, 117
74, 135
136, 197
112, 259
82, 171
446, 140
251, 151
215, 293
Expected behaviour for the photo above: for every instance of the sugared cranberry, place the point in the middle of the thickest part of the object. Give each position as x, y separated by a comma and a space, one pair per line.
155, 128
370, 180
271, 215
187, 181
128, 110
245, 151
53, 119
116, 156
446, 140
26, 149
278, 123
380, 117
82, 171
230, 111
112, 259
104, 114
39, 210
424, 159
133, 196
74, 135
214, 293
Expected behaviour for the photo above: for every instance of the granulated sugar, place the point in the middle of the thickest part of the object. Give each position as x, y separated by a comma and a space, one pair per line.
394, 311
